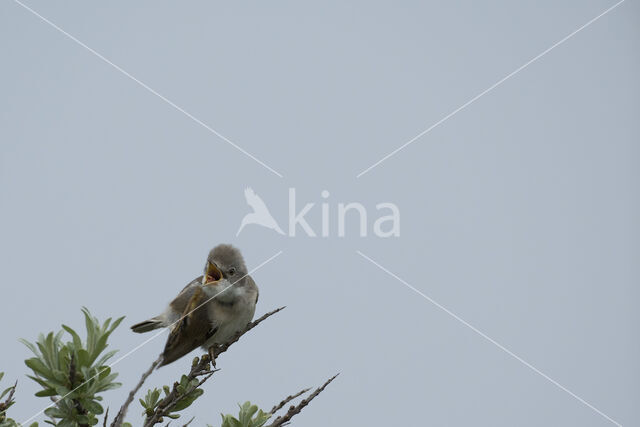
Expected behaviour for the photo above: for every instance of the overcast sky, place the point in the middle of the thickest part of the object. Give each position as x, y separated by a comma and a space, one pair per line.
510, 295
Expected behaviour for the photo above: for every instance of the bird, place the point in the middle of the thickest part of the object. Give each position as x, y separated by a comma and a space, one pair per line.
211, 309
260, 214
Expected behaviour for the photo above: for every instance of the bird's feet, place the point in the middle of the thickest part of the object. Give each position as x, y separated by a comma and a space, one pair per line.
212, 354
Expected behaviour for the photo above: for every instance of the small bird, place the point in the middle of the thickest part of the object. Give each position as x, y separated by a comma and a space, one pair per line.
260, 214
211, 309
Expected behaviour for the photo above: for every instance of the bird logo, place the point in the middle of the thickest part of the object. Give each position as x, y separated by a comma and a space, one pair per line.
260, 215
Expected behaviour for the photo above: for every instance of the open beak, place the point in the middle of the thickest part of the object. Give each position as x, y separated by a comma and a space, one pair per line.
212, 276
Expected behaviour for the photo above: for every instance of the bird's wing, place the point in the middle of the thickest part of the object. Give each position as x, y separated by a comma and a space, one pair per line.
176, 308
255, 201
190, 331
180, 302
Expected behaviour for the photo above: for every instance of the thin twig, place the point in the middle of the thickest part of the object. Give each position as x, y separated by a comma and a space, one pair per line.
189, 422
287, 400
106, 415
72, 379
293, 410
9, 400
119, 419
11, 393
200, 368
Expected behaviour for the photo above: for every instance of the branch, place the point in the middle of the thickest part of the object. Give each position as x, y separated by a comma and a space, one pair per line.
219, 349
72, 379
199, 368
119, 419
293, 410
287, 400
9, 398
8, 401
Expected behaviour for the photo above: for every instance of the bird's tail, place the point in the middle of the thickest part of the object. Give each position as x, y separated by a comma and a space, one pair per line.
148, 325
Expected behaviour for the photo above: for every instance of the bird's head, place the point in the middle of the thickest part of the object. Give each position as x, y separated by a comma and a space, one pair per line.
224, 262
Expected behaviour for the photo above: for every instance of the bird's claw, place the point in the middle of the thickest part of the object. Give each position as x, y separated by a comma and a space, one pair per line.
212, 355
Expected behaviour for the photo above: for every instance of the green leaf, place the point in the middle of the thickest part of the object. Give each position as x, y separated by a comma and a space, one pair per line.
186, 401
230, 421
247, 410
30, 346
43, 383
77, 342
7, 390
249, 416
53, 361
86, 419
38, 367
53, 412
105, 357
67, 423
46, 392
261, 419
7, 406
92, 406
109, 386
103, 372
64, 391
116, 324
84, 358
59, 376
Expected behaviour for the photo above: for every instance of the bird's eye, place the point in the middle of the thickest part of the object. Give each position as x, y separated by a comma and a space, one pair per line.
232, 271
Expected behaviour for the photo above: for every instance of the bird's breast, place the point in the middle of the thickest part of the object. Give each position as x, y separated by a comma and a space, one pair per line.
229, 319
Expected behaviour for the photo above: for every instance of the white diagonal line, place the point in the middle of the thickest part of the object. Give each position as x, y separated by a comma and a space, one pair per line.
164, 98
488, 338
142, 344
487, 90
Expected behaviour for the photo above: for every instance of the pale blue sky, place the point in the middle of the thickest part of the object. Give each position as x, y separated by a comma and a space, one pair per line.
519, 214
